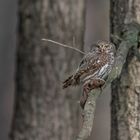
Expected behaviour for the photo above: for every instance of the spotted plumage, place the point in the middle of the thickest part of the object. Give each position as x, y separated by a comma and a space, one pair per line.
95, 66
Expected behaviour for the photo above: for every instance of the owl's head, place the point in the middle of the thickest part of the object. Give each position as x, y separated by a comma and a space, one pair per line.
105, 46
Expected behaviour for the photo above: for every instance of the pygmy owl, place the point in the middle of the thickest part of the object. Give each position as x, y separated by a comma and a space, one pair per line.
93, 69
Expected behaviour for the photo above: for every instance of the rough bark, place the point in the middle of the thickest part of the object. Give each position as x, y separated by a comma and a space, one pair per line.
42, 109
88, 115
130, 40
125, 104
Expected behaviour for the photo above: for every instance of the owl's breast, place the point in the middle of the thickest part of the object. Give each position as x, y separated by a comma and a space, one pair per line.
99, 68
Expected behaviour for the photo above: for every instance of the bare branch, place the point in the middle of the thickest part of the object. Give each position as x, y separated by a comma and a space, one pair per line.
63, 45
89, 113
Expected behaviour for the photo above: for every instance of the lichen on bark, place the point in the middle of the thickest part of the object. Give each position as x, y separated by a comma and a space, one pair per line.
129, 40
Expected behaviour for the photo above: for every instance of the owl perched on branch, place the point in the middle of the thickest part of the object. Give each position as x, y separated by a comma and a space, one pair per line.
93, 69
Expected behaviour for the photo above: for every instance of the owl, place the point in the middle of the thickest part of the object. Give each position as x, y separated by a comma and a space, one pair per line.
93, 70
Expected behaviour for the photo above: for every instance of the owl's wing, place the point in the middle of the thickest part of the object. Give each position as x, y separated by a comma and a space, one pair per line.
89, 60
91, 57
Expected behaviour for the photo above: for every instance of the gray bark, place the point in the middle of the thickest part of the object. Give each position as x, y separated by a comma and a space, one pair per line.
43, 111
130, 40
125, 104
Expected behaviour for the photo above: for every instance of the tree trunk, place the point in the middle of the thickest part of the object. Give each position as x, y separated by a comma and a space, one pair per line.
125, 105
43, 111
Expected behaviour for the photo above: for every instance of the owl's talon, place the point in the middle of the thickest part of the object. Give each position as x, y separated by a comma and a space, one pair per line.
88, 86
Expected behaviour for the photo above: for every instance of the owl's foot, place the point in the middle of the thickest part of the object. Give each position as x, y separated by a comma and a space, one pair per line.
96, 83
88, 86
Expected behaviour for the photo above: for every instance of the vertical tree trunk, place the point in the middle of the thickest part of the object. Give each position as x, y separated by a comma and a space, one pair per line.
43, 111
125, 105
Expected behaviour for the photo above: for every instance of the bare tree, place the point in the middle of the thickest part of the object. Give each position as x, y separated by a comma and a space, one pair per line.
125, 105
42, 109
125, 32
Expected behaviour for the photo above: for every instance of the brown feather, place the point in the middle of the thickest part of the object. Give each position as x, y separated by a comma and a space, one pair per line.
68, 82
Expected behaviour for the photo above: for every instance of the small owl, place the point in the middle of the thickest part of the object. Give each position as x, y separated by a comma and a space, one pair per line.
93, 69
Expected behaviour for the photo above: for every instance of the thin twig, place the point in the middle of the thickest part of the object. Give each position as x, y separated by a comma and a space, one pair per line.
63, 45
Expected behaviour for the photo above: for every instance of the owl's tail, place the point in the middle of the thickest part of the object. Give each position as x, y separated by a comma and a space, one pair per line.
68, 82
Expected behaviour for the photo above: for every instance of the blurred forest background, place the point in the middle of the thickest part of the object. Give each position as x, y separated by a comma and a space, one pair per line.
97, 28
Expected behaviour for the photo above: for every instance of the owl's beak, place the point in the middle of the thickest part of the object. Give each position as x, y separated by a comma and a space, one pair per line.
103, 48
